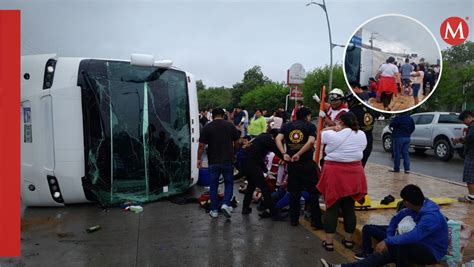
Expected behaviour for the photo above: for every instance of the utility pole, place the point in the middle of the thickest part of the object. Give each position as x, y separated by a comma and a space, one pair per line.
371, 39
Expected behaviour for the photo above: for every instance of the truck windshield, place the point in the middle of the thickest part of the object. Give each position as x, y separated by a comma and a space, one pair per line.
136, 131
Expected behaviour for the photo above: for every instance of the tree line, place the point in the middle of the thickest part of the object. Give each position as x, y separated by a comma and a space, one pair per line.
455, 88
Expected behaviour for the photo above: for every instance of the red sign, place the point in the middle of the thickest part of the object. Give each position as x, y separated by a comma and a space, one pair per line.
454, 30
296, 92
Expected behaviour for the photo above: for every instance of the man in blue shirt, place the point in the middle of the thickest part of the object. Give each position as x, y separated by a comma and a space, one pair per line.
402, 127
424, 243
406, 69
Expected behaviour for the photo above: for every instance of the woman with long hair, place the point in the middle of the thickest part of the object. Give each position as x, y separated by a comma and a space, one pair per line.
342, 179
417, 81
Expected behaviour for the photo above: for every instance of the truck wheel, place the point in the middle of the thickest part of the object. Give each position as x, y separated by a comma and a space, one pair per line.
419, 151
443, 150
387, 142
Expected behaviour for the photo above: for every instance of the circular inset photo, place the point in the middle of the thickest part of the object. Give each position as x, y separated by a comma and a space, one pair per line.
392, 63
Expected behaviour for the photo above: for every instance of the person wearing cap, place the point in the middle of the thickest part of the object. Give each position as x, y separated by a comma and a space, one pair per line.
366, 122
468, 175
423, 243
299, 137
335, 108
343, 178
221, 138
387, 85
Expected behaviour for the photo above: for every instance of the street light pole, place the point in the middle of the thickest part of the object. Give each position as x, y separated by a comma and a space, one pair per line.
331, 44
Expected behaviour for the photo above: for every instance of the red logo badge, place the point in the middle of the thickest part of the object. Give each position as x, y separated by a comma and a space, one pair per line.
454, 30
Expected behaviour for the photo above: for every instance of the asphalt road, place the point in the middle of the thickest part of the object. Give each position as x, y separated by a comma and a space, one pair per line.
425, 164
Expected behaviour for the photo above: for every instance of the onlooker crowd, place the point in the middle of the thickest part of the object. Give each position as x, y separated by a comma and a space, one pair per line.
276, 156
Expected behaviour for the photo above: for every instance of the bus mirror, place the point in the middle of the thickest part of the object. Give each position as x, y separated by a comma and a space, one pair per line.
142, 60
165, 63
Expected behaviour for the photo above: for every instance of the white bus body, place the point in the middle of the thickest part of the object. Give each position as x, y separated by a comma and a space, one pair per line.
64, 100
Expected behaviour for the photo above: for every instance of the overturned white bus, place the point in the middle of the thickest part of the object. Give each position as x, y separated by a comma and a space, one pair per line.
106, 130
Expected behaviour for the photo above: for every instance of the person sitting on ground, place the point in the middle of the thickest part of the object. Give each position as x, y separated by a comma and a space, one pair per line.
343, 178
424, 242
282, 197
468, 175
240, 155
377, 232
372, 87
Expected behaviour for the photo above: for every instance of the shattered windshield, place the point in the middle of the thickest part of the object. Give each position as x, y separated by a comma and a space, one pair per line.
136, 131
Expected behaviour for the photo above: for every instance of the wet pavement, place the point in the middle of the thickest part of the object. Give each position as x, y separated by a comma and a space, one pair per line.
167, 234
426, 164
164, 234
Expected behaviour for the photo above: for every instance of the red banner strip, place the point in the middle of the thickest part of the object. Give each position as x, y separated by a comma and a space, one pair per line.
10, 132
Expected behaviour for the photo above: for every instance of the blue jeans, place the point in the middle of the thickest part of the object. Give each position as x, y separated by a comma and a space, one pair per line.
369, 231
215, 171
401, 255
400, 146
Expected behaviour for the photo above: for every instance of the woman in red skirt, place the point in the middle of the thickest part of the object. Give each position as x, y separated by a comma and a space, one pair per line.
387, 84
342, 179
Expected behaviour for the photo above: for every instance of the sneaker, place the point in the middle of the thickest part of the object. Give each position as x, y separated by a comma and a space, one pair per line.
360, 256
214, 213
393, 170
466, 199
246, 211
294, 222
324, 263
226, 210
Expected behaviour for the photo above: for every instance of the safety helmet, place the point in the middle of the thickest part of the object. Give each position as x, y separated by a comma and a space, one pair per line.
336, 94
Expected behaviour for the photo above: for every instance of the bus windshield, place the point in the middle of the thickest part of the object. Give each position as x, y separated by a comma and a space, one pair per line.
136, 131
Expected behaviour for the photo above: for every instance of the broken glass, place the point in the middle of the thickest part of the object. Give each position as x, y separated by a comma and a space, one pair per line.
136, 131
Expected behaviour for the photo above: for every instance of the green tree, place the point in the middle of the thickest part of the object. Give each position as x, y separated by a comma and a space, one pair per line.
456, 85
200, 85
214, 97
316, 78
253, 78
268, 96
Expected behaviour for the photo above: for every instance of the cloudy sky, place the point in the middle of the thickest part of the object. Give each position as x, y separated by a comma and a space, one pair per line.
216, 40
399, 34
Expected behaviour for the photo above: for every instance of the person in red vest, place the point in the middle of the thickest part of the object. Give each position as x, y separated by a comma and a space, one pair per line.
335, 108
299, 104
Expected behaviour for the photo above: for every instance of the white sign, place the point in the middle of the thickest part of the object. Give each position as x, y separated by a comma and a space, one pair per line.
296, 74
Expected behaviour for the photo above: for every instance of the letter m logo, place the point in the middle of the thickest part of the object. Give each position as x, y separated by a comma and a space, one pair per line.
454, 30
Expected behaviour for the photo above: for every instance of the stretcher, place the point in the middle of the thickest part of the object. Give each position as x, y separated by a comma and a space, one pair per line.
376, 204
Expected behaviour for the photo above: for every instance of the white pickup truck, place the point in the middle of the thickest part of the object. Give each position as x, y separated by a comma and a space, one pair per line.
433, 130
